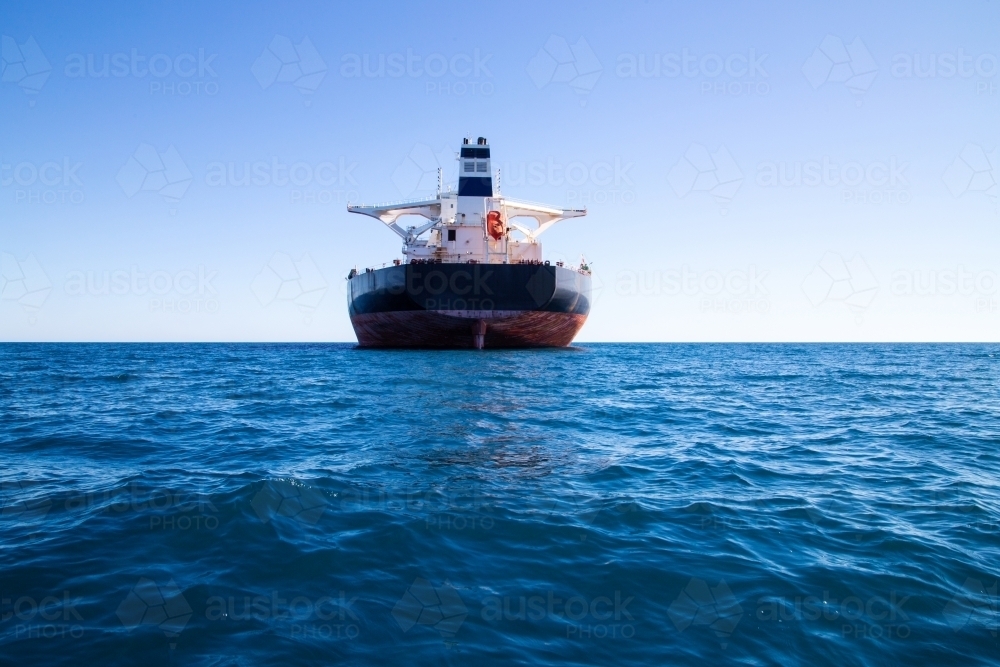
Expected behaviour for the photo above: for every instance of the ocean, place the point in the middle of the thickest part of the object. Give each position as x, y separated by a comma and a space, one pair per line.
236, 504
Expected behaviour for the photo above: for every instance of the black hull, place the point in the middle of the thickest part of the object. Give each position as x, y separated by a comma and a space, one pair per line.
468, 305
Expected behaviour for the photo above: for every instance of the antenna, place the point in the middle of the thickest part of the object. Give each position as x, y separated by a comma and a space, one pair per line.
440, 180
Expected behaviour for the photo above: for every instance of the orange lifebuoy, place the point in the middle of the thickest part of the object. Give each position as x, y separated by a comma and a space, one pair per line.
495, 226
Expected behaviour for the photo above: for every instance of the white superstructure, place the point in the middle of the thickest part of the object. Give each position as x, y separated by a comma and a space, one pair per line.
473, 223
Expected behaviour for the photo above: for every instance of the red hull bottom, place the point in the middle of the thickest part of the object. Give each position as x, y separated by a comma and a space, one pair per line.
465, 329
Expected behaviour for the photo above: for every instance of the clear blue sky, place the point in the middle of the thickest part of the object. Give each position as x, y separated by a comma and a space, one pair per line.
752, 171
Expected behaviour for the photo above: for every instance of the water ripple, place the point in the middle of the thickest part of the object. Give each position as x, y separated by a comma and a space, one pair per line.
646, 504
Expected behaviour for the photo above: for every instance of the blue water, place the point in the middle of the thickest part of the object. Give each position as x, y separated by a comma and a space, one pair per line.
607, 504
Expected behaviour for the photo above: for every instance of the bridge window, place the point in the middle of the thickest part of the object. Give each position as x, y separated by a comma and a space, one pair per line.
469, 151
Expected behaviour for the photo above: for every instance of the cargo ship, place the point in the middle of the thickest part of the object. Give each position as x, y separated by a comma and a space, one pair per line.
472, 273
